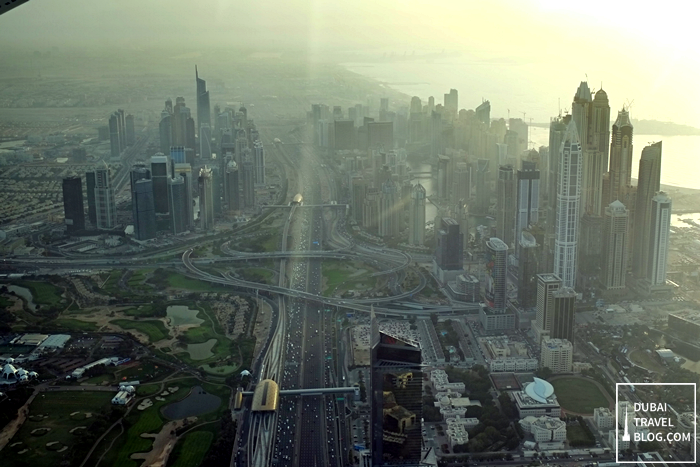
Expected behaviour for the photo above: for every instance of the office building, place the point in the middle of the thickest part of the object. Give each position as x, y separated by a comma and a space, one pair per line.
259, 160
443, 176
143, 207
452, 104
483, 113
206, 198
495, 287
416, 216
205, 141
659, 230
528, 268
233, 194
184, 171
203, 109
448, 255
138, 172
104, 199
73, 204
648, 184
557, 355
178, 204
359, 186
395, 397
390, 210
557, 130
344, 134
165, 131
547, 284
620, 156
564, 301
92, 209
248, 179
568, 207
130, 131
380, 135
461, 183
615, 246
597, 153
121, 122
114, 140
505, 205
528, 199
483, 193
177, 154
160, 172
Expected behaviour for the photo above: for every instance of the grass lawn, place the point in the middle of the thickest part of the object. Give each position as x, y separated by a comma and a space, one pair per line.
74, 325
257, 275
58, 406
154, 329
642, 358
575, 433
178, 281
112, 284
578, 395
42, 293
192, 448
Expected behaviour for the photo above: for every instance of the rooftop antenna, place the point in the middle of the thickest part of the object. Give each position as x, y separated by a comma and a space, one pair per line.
508, 114
523, 115
559, 105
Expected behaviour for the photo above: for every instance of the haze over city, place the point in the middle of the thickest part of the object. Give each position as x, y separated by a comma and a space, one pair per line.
308, 233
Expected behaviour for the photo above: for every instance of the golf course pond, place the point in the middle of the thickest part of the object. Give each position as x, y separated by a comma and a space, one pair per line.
180, 315
201, 351
198, 402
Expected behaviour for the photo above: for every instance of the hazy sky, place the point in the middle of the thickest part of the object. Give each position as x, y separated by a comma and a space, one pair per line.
652, 46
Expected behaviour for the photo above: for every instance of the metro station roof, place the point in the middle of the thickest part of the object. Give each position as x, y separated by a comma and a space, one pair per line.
266, 396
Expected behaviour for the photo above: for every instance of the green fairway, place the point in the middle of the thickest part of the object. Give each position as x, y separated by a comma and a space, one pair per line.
579, 395
178, 281
53, 410
192, 448
74, 325
43, 293
155, 330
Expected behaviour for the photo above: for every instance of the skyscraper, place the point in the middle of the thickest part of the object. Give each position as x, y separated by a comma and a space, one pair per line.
648, 185
114, 140
564, 300
599, 149
205, 141
461, 183
620, 156
390, 212
568, 206
495, 288
483, 194
528, 199
248, 179
528, 268
416, 215
233, 194
206, 199
165, 131
452, 103
359, 187
177, 155
177, 204
160, 172
547, 284
92, 209
184, 171
130, 132
259, 156
144, 209
121, 122
442, 176
73, 204
557, 130
505, 205
448, 255
395, 396
203, 109
615, 245
659, 227
104, 199
483, 113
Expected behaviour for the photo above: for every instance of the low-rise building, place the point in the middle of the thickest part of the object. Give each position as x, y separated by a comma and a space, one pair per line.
604, 418
511, 364
442, 383
538, 399
545, 429
457, 431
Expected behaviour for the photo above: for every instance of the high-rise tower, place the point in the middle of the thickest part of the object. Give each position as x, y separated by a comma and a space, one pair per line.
177, 204
92, 209
203, 109
160, 172
206, 198
416, 223
104, 199
615, 246
620, 156
648, 185
659, 227
505, 205
73, 204
528, 199
144, 209
568, 207
495, 287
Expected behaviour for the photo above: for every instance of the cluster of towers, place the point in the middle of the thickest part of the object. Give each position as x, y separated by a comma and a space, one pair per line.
163, 191
121, 132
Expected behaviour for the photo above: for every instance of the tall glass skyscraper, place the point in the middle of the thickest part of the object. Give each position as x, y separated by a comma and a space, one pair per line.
144, 210
73, 204
568, 207
104, 199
